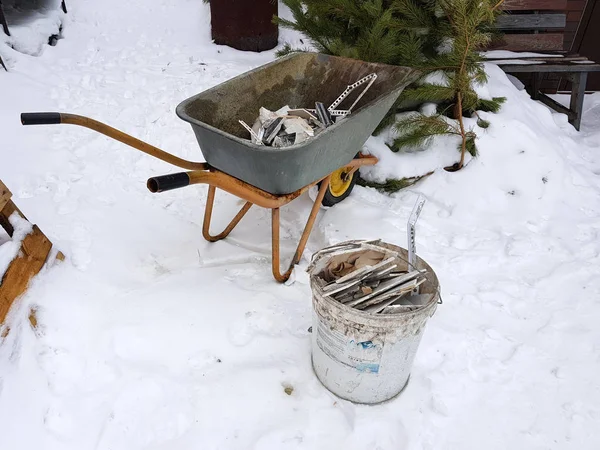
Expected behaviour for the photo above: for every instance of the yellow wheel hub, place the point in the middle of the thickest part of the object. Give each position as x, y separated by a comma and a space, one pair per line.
340, 181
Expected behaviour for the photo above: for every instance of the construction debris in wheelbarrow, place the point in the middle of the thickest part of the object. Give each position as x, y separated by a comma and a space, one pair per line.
288, 126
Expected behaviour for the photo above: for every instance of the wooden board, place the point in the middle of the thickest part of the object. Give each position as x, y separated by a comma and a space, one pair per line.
534, 5
550, 68
531, 21
34, 252
5, 213
5, 195
530, 42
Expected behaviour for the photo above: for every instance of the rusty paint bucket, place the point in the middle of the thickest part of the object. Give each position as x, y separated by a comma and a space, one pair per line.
244, 25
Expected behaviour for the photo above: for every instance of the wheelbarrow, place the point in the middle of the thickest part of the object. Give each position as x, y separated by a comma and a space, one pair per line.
265, 176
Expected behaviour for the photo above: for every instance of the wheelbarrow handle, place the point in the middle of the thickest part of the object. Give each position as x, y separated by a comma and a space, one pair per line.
40, 118
168, 182
52, 118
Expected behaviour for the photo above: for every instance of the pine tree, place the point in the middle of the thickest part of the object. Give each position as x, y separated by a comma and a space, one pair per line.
385, 31
429, 35
467, 28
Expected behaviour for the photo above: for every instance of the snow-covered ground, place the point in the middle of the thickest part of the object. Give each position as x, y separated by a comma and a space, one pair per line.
149, 337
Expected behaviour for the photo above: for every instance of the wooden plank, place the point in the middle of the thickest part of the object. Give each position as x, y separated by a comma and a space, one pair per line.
555, 105
574, 16
531, 21
530, 42
535, 5
576, 5
34, 252
6, 212
5, 195
549, 60
556, 68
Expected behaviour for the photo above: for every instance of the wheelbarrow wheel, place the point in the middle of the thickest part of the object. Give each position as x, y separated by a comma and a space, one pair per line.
340, 185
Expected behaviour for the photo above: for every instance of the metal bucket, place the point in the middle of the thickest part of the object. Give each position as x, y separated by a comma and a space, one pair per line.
363, 357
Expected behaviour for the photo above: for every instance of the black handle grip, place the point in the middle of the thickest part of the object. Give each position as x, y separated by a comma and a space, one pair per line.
40, 118
168, 182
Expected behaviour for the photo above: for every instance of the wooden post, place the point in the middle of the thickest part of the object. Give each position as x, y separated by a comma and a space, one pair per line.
535, 85
578, 82
3, 22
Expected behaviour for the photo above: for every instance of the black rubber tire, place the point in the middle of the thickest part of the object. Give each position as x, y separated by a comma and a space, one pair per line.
329, 199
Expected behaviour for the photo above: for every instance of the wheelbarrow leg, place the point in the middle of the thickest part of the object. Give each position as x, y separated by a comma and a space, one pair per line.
208, 214
303, 240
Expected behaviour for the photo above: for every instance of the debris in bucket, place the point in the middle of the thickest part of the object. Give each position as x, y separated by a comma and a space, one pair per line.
370, 277
288, 126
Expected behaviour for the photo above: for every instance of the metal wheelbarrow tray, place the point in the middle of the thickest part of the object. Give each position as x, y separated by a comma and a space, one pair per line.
264, 176
298, 80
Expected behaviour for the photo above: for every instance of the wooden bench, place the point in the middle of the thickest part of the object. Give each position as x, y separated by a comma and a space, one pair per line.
574, 67
532, 25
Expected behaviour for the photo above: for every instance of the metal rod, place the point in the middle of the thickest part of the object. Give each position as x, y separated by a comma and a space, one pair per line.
254, 195
208, 214
275, 257
131, 141
73, 119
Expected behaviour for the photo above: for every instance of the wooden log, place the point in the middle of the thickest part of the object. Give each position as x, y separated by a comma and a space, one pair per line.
534, 5
32, 257
531, 21
530, 42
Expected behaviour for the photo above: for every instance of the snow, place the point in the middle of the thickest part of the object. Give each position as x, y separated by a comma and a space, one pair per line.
150, 337
10, 249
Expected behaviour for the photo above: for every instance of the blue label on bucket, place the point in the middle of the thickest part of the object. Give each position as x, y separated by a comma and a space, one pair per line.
368, 367
363, 356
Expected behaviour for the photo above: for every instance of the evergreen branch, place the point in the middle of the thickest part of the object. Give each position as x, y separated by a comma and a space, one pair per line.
392, 185
497, 5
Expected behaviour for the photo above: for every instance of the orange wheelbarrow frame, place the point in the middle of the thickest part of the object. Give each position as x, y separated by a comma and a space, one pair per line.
203, 173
